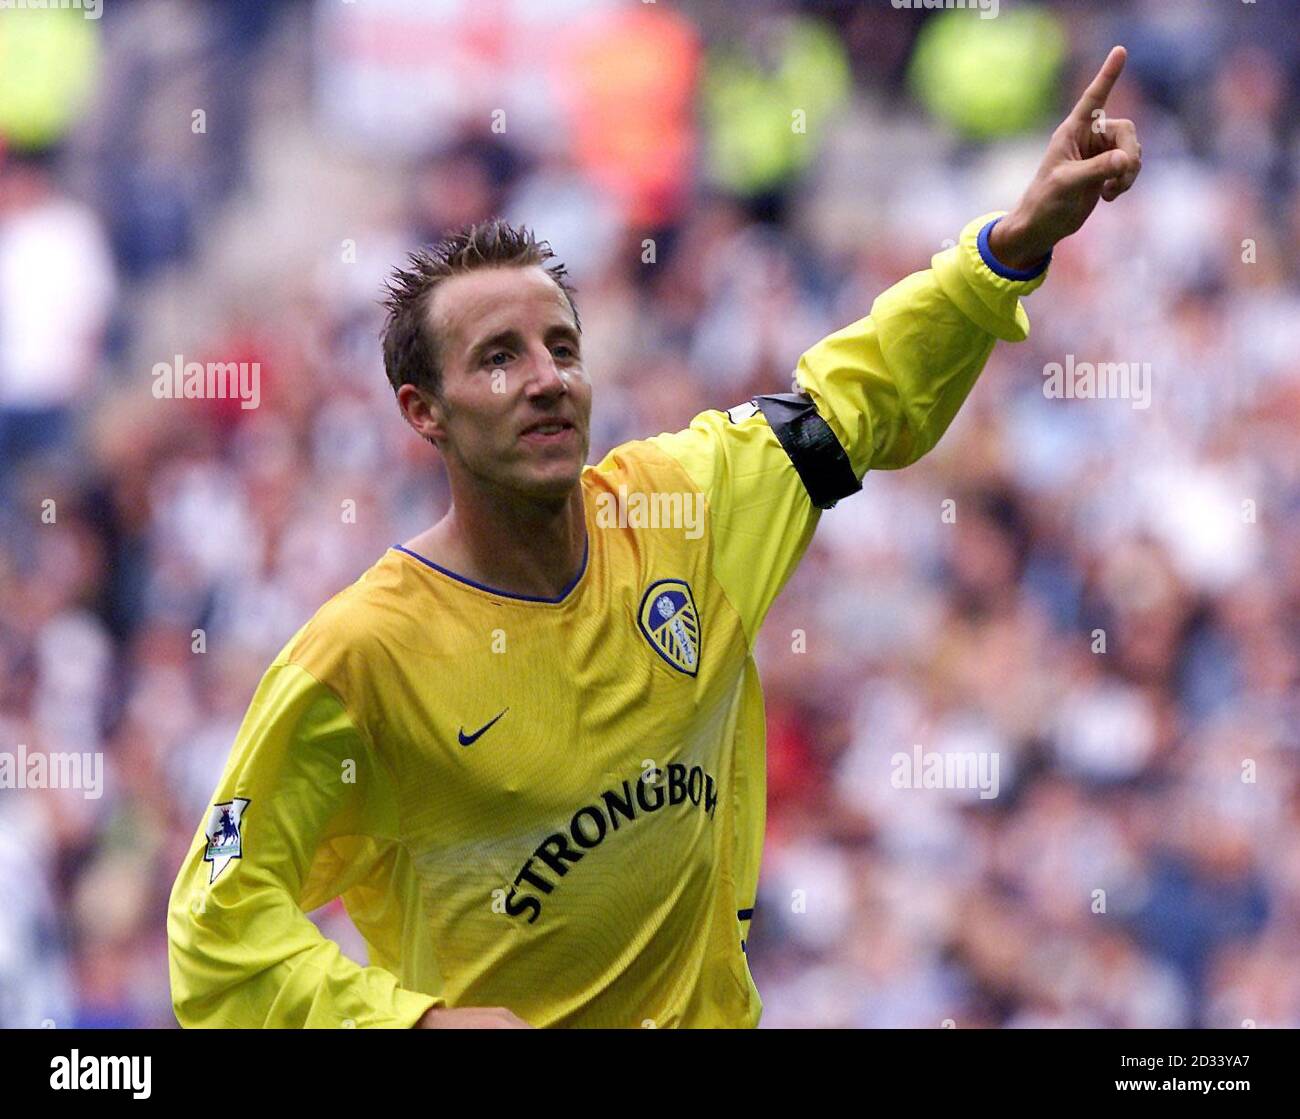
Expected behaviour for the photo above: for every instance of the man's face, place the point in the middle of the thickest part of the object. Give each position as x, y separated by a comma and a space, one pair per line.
511, 358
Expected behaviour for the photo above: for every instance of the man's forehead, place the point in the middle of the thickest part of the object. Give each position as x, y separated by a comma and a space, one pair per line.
467, 306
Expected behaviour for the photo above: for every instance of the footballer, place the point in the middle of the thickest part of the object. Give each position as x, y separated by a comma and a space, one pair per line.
526, 747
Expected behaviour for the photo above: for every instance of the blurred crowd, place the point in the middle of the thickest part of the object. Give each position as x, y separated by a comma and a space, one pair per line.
1105, 597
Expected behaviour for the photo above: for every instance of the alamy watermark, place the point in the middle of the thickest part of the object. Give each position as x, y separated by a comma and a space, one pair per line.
988, 9
970, 770
39, 770
91, 9
651, 510
1102, 380
102, 1073
216, 380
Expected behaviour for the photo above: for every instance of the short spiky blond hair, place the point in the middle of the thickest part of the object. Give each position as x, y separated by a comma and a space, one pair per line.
411, 354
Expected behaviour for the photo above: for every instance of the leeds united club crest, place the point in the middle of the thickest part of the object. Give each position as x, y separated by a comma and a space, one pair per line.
670, 622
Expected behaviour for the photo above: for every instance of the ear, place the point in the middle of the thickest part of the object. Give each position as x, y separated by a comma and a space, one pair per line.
423, 411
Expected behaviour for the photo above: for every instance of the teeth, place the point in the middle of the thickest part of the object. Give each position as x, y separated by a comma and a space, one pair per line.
549, 429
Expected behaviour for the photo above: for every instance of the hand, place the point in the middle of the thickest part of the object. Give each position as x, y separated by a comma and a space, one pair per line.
470, 1018
1090, 157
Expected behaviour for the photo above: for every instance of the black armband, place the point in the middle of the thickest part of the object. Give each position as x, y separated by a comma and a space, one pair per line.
819, 460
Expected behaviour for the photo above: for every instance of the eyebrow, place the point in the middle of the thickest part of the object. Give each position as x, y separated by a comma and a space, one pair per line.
563, 330
500, 338
512, 338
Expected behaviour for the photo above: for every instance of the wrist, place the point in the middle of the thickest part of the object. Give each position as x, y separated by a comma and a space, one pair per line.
429, 1019
1019, 254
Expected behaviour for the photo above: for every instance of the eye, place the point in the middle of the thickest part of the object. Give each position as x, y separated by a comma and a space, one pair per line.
503, 355
563, 350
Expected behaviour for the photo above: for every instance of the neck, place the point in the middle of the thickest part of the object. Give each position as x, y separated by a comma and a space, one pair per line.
510, 544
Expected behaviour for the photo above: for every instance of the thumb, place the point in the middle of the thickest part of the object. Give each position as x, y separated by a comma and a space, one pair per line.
1093, 172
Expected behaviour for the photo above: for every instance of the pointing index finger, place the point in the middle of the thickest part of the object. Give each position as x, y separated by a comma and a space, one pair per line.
1094, 97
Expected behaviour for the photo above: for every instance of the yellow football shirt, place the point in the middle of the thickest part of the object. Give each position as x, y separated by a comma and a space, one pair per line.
557, 806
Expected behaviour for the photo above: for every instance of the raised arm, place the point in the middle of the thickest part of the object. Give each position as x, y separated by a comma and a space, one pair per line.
890, 384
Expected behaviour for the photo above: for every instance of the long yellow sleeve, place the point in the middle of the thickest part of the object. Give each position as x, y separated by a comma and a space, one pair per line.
890, 384
303, 813
887, 385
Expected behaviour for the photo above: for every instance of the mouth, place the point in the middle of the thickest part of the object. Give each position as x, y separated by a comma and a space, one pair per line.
546, 432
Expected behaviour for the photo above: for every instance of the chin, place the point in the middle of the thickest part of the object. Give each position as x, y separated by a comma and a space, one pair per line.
557, 483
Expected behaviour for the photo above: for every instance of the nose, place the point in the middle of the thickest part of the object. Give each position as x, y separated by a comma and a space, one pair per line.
545, 378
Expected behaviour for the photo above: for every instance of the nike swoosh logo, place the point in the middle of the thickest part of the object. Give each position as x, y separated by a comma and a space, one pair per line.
470, 739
